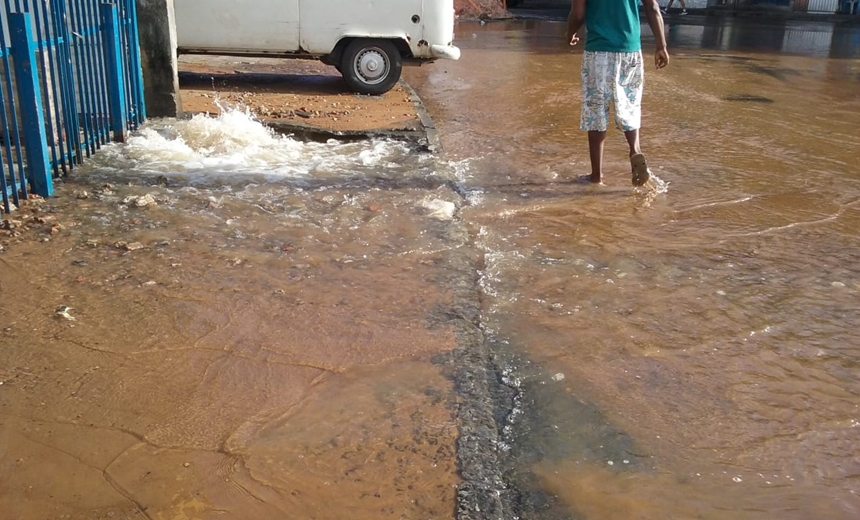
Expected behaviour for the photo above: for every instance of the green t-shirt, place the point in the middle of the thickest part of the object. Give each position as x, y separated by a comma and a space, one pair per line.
612, 25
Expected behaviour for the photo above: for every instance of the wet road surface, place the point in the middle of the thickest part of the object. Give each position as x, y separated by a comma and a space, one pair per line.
246, 326
684, 355
280, 335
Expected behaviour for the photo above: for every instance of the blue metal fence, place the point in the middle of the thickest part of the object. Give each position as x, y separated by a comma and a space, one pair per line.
71, 81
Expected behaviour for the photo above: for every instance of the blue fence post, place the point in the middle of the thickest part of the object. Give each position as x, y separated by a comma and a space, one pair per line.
113, 55
32, 114
136, 69
67, 82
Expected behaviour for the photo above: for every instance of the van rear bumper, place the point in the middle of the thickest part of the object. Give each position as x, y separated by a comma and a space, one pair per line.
447, 52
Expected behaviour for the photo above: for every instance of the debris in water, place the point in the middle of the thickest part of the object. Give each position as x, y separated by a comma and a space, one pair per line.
558, 377
140, 202
440, 209
10, 224
134, 246
63, 312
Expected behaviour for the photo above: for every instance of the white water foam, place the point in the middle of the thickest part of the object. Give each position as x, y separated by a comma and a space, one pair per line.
462, 172
651, 190
236, 143
657, 185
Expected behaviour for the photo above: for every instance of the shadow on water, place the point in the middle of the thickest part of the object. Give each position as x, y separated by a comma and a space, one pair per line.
748, 98
542, 422
752, 65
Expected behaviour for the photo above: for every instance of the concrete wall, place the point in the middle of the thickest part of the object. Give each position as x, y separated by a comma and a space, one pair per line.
157, 29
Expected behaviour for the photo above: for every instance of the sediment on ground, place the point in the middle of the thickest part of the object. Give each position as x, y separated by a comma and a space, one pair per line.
286, 92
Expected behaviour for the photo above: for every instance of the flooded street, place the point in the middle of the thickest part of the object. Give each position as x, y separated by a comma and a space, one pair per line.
684, 355
229, 322
214, 321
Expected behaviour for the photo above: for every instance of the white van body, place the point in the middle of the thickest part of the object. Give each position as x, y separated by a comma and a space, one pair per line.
367, 40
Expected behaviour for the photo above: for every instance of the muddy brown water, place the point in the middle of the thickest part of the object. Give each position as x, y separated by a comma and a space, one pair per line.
278, 348
685, 355
258, 343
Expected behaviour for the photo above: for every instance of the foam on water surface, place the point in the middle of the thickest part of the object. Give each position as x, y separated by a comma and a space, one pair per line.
235, 143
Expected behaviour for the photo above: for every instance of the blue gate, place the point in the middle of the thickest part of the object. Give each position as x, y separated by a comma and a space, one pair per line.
71, 82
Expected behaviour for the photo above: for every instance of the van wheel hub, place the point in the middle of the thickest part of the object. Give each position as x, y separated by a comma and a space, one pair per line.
371, 65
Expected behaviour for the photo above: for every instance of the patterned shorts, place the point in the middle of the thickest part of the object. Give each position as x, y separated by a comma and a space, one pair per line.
614, 78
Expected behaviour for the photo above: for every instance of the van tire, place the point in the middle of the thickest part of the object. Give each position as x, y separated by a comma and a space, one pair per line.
371, 66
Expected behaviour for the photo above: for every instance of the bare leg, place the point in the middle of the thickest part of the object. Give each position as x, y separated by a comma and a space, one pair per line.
595, 150
669, 5
633, 140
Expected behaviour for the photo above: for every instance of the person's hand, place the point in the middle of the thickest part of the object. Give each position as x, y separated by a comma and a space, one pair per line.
572, 38
661, 58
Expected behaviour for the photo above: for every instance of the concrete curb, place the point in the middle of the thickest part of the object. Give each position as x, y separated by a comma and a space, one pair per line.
434, 143
482, 494
315, 133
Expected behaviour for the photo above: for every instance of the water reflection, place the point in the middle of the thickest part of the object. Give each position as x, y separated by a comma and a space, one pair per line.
820, 39
839, 40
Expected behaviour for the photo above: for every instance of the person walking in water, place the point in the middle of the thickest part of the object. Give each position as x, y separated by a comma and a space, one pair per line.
613, 73
665, 10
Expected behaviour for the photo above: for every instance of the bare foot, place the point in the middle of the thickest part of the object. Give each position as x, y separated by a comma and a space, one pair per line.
589, 179
641, 172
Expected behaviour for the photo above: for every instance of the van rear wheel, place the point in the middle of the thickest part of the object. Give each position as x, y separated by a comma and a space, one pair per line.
371, 66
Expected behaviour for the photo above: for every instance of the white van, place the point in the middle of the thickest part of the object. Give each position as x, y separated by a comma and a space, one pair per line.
367, 40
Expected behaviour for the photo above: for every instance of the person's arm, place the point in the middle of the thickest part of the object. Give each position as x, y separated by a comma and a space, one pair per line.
575, 20
655, 20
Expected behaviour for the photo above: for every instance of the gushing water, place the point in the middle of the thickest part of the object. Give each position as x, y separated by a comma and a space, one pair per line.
235, 143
